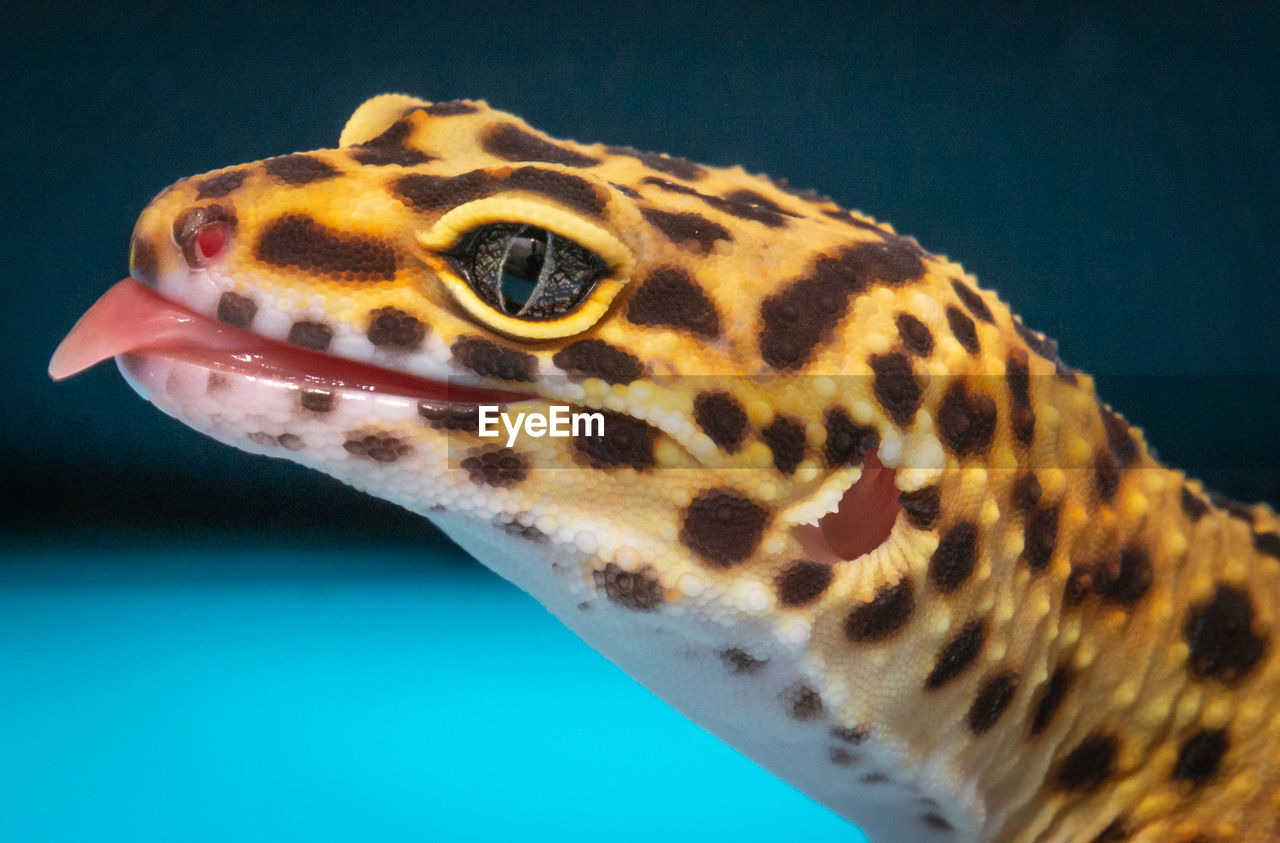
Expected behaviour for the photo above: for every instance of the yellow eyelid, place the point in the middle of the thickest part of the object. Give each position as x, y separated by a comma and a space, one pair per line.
449, 230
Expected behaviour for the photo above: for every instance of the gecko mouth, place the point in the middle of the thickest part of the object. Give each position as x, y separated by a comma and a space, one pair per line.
131, 318
133, 321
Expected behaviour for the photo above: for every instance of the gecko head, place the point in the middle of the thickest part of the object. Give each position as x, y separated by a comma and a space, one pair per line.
374, 310
746, 375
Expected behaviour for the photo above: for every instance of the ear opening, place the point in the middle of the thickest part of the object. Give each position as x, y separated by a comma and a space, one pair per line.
375, 116
861, 523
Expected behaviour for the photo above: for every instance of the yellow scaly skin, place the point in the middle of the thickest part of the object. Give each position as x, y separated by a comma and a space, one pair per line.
1059, 638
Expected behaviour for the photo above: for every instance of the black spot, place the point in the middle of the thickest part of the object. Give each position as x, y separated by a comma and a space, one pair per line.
1040, 537
1199, 757
1039, 343
922, 506
391, 147
512, 526
377, 448
236, 310
1116, 831
298, 169
973, 302
957, 655
625, 191
494, 361
216, 187
449, 416
688, 228
500, 467
302, 243
847, 442
266, 440
511, 143
598, 359
993, 698
842, 757
1106, 474
188, 224
874, 778
745, 204
963, 329
313, 335
144, 263
640, 590
896, 387
785, 438
626, 441
316, 400
749, 205
916, 337
1221, 637
966, 420
953, 560
803, 703
1268, 544
803, 582
393, 328
722, 418
1119, 438
883, 615
1023, 419
1076, 588
1234, 508
803, 315
290, 442
1088, 765
678, 167
1193, 505
751, 197
738, 661
854, 735
447, 108
429, 193
723, 526
1026, 492
668, 296
1124, 579
845, 217
937, 821
571, 190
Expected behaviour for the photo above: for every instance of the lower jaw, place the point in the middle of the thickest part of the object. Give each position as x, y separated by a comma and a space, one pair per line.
268, 415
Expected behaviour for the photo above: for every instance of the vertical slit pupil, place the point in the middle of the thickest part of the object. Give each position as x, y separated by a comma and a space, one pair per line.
523, 266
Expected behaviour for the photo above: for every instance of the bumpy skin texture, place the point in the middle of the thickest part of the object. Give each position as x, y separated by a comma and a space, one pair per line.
1058, 638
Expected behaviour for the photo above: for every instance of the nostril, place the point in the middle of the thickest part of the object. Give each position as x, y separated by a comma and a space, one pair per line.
203, 233
211, 239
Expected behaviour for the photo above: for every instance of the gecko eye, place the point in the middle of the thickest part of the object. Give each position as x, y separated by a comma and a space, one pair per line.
527, 272
203, 233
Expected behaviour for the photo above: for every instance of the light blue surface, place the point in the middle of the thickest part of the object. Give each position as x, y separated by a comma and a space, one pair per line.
172, 694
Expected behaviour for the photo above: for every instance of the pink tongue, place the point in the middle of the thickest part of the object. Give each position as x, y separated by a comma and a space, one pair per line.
132, 318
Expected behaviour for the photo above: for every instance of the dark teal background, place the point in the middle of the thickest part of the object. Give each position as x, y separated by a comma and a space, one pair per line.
198, 644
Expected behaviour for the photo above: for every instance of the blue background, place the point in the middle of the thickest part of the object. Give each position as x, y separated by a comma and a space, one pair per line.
197, 644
